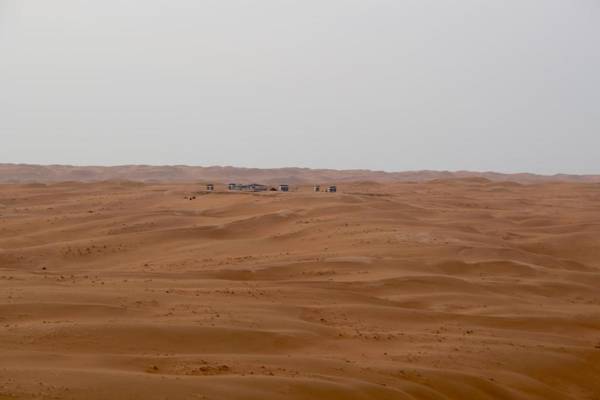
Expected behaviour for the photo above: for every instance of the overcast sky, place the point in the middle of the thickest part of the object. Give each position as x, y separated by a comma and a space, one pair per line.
505, 85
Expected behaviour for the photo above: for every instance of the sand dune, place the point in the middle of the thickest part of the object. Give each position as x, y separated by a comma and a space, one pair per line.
39, 174
451, 289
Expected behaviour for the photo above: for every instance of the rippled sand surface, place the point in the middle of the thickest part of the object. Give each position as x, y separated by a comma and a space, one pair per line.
463, 289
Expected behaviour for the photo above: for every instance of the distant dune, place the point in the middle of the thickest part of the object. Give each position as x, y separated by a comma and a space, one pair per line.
27, 173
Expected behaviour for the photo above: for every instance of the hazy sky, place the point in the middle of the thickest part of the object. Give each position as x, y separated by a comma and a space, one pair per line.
505, 85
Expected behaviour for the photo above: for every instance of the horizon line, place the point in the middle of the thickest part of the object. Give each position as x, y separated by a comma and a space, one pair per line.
408, 171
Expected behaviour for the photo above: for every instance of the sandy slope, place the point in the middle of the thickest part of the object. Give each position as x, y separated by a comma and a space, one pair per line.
446, 290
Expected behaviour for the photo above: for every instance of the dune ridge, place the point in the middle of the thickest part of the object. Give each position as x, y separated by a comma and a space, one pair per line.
30, 173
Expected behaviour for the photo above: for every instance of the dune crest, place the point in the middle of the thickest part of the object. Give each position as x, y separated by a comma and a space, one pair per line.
28, 173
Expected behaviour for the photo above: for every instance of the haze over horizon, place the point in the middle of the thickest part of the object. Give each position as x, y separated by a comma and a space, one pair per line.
474, 173
381, 85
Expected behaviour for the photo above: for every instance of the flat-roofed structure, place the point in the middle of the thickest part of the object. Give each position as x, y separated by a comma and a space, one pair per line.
252, 187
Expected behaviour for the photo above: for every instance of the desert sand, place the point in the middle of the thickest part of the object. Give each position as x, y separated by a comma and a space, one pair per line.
457, 289
31, 173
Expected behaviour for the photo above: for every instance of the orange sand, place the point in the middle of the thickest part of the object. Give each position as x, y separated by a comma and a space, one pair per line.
462, 289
